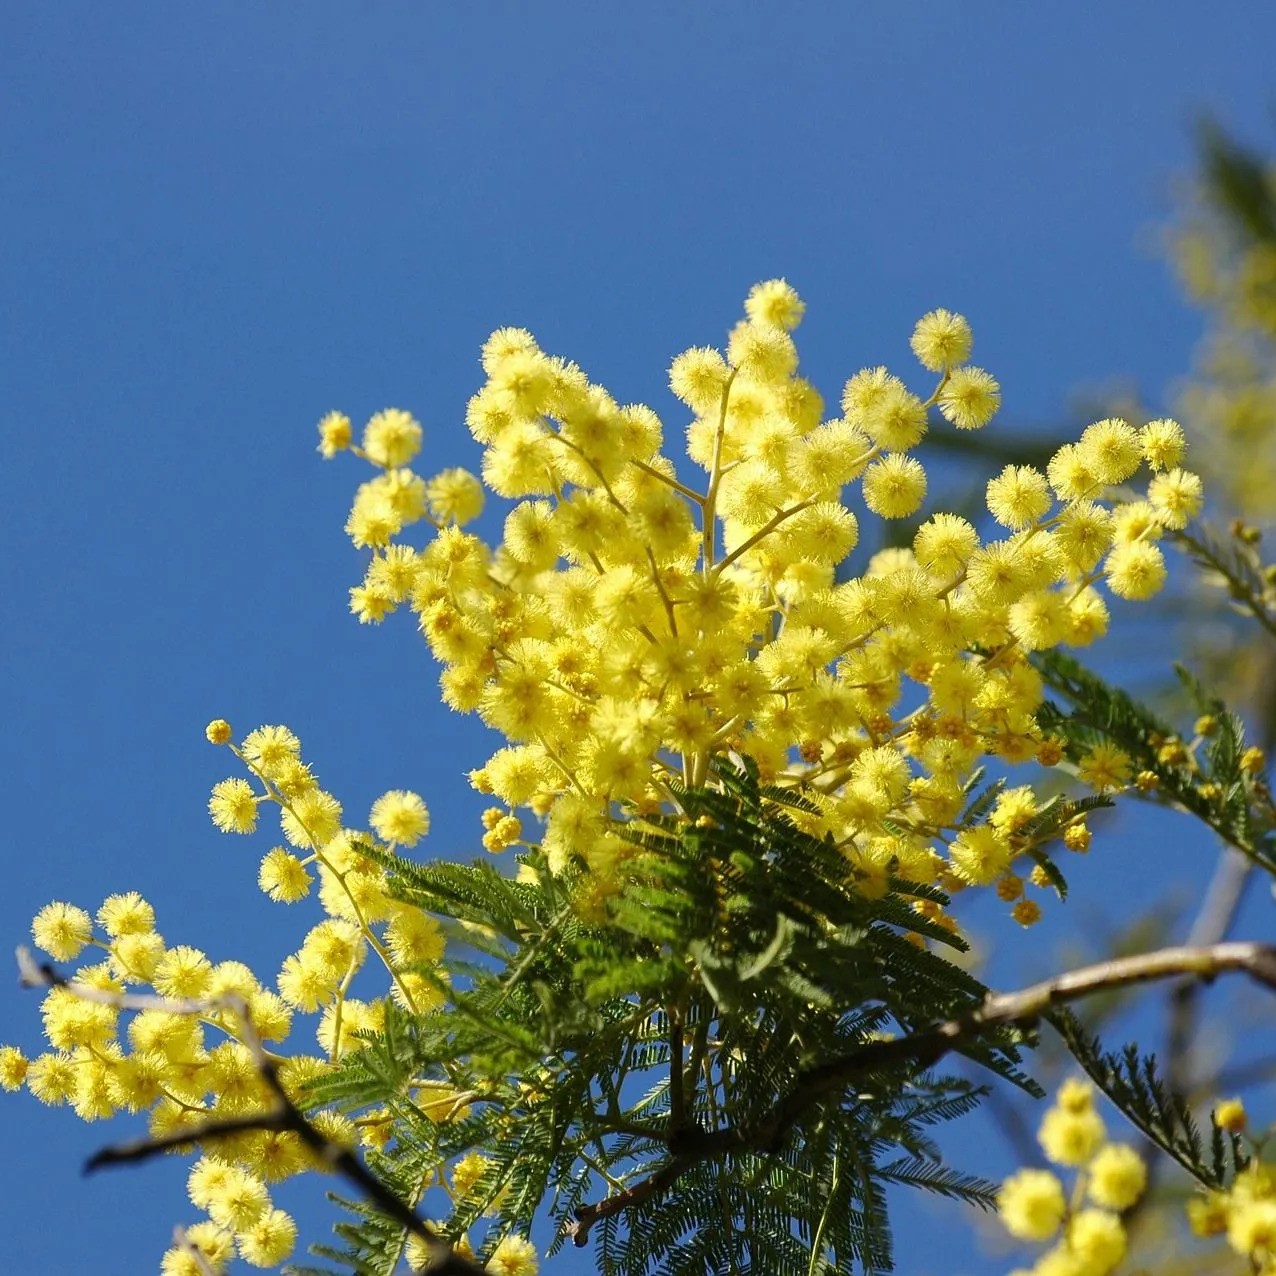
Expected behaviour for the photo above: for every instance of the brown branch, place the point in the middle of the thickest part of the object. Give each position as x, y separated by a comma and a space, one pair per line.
283, 1114
677, 1102
926, 1048
653, 1185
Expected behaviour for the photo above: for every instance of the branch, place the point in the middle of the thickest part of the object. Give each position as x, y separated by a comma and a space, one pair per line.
653, 1185
923, 1049
283, 1114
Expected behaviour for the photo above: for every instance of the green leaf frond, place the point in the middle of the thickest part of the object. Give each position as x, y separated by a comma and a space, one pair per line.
1132, 1082
675, 1035
1210, 783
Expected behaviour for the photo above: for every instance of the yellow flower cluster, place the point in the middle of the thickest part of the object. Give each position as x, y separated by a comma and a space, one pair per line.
1085, 1224
361, 917
630, 626
186, 1060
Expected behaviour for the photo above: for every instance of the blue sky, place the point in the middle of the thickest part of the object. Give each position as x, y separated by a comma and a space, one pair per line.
220, 222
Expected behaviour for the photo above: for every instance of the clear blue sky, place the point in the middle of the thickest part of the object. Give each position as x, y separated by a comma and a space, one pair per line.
219, 222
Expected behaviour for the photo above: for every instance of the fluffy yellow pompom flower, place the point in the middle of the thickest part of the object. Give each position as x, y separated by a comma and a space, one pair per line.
454, 496
1163, 444
213, 1250
514, 1256
1018, 496
503, 834
335, 434
218, 731
970, 398
698, 376
126, 914
391, 438
61, 930
895, 420
1039, 620
51, 1078
183, 972
1098, 1239
205, 1177
944, 544
420, 1255
1177, 496
233, 806
414, 937
1073, 474
269, 1241
1105, 767
238, 1200
283, 876
1031, 1205
1117, 1177
1135, 570
1071, 1138
356, 1017
1075, 1095
941, 340
1114, 449
467, 1172
270, 749
762, 352
524, 381
503, 343
980, 855
864, 390
824, 533
1084, 534
13, 1067
775, 301
400, 818
894, 486
313, 820
370, 603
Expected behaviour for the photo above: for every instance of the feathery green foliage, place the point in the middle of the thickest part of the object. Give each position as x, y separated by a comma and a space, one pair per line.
679, 1051
1131, 1080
